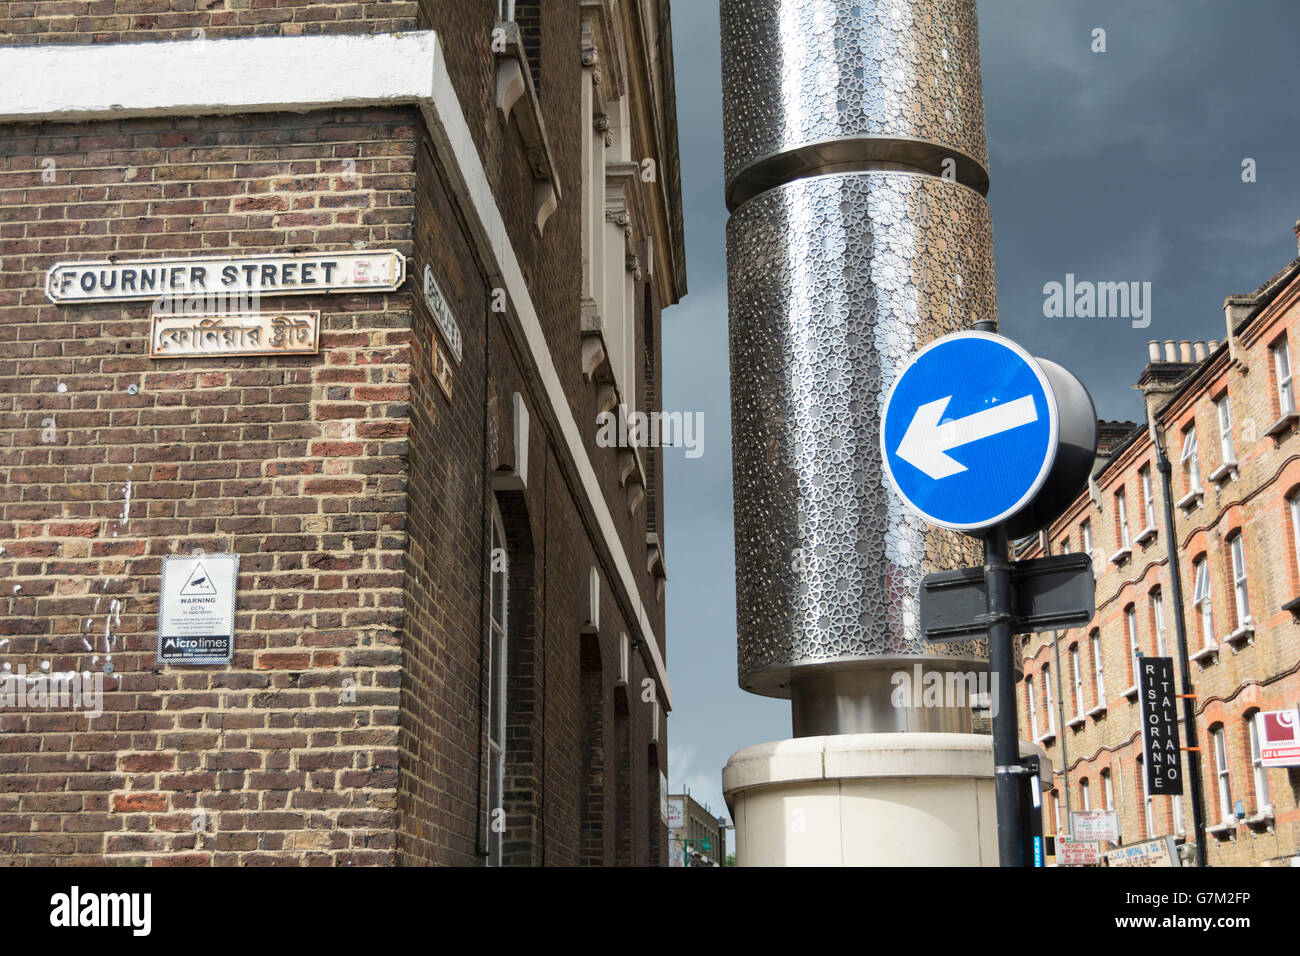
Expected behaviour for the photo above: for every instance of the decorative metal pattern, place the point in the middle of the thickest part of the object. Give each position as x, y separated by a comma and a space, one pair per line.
799, 72
834, 283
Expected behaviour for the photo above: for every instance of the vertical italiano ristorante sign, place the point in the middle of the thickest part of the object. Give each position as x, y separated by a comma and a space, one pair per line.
126, 280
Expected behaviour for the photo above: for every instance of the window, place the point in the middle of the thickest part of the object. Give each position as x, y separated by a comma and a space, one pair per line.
496, 705
1134, 648
1121, 516
1158, 623
1032, 707
1226, 448
1107, 790
1176, 808
1201, 599
1191, 460
1282, 374
1293, 506
1056, 803
1238, 551
1047, 699
1263, 801
1148, 501
1221, 768
1065, 545
1085, 530
1098, 668
1076, 673
1085, 793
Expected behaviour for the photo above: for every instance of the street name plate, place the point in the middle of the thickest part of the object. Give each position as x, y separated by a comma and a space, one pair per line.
127, 280
266, 333
196, 609
441, 311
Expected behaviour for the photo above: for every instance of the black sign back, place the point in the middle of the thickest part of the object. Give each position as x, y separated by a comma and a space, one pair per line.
1160, 742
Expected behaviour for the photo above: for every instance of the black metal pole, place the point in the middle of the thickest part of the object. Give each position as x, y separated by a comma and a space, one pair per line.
1180, 628
1007, 768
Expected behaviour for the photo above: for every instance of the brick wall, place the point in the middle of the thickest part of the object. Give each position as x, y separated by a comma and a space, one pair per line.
1259, 671
140, 21
296, 464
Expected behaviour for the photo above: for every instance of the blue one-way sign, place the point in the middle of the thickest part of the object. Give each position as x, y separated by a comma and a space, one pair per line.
970, 431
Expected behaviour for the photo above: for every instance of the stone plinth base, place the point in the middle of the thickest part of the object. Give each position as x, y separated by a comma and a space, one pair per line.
866, 800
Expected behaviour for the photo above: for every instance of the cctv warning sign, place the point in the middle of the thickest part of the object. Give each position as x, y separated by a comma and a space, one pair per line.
196, 609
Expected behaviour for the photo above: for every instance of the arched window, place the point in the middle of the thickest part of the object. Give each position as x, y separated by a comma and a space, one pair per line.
1031, 706
1237, 568
1076, 678
498, 603
1202, 599
1223, 771
1098, 668
1107, 790
1134, 645
1259, 773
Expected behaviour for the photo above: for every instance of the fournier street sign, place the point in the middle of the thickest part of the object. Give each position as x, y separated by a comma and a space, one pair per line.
127, 280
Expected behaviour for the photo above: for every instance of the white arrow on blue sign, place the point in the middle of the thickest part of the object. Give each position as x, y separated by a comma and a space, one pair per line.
970, 431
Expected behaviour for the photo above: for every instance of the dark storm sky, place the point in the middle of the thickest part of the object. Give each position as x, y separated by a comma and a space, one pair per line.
1116, 166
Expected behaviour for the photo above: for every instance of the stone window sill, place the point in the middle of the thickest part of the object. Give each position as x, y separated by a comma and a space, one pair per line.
1076, 722
1205, 653
1192, 499
1241, 637
1122, 555
1283, 424
1226, 829
1225, 471
1262, 819
1146, 535
1132, 692
1097, 711
1046, 738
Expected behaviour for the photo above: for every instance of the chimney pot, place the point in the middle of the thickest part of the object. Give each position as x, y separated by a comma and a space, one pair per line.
1153, 350
1171, 351
1296, 230
1212, 345
1185, 350
1198, 350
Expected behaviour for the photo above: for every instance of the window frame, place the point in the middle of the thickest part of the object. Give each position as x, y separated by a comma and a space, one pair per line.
1048, 700
1190, 459
1121, 518
498, 672
1281, 353
1240, 584
1227, 441
1259, 773
1076, 673
1098, 667
1203, 598
1148, 498
1222, 772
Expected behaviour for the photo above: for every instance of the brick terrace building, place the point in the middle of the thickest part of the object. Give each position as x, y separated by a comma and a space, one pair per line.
1225, 414
402, 550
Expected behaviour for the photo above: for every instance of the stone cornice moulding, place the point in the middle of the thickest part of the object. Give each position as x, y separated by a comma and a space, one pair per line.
70, 83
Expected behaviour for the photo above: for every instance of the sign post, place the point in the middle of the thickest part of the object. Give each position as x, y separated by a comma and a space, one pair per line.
980, 437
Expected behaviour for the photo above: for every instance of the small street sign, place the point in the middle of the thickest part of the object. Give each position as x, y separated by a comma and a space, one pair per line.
1054, 592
